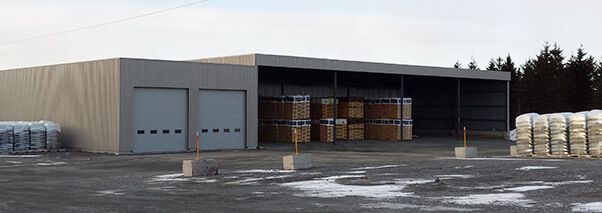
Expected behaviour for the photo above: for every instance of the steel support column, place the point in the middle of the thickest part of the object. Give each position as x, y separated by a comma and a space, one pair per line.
401, 108
458, 111
507, 105
334, 135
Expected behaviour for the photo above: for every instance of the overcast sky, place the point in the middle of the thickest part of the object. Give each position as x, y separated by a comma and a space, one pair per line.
419, 32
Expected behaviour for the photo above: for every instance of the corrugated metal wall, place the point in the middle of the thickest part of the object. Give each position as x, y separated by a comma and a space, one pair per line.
188, 75
82, 97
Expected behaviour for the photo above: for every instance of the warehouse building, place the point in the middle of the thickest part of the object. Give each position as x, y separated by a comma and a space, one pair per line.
128, 105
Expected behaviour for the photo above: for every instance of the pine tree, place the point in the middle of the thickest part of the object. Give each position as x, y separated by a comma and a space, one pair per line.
579, 78
457, 65
515, 87
597, 95
542, 81
495, 64
473, 64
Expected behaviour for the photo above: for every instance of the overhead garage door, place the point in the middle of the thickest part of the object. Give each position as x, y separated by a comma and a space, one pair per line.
160, 120
221, 119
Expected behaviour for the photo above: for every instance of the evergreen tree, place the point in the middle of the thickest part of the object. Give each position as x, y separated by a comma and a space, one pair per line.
473, 64
457, 65
542, 80
515, 87
579, 78
495, 64
597, 94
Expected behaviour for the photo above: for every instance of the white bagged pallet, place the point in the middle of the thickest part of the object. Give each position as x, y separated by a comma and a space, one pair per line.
524, 134
541, 135
6, 137
594, 132
21, 136
559, 133
53, 135
578, 133
37, 136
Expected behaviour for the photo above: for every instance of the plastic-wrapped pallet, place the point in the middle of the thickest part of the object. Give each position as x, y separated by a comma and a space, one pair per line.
594, 132
21, 136
407, 129
541, 135
524, 134
578, 134
6, 137
559, 134
53, 135
37, 136
407, 108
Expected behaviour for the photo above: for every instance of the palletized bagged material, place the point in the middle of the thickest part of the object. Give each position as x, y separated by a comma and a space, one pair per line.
541, 135
594, 132
559, 133
53, 135
383, 129
408, 125
21, 138
524, 134
6, 137
37, 136
407, 108
382, 108
578, 133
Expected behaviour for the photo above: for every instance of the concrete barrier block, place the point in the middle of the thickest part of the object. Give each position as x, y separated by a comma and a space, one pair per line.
513, 151
466, 152
203, 167
292, 162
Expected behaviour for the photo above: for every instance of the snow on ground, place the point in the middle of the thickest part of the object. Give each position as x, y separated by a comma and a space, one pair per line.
169, 177
265, 171
109, 192
447, 177
587, 207
504, 199
403, 206
13, 162
328, 187
50, 164
527, 188
356, 172
20, 156
379, 167
527, 168
255, 181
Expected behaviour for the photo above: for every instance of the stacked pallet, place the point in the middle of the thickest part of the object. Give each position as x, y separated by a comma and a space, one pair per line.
541, 135
382, 108
524, 134
594, 132
27, 136
408, 123
284, 130
559, 136
383, 129
323, 129
355, 129
322, 108
281, 116
351, 107
578, 134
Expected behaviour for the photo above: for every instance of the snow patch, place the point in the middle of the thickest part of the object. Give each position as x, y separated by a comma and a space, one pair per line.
401, 206
13, 162
206, 181
327, 187
527, 168
169, 177
527, 188
50, 164
356, 172
20, 156
264, 171
255, 181
587, 207
109, 192
379, 167
504, 199
454, 176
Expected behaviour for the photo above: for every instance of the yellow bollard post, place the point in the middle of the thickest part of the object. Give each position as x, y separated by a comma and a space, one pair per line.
197, 146
464, 136
296, 148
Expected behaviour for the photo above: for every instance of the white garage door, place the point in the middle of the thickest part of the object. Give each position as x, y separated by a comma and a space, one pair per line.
160, 120
221, 119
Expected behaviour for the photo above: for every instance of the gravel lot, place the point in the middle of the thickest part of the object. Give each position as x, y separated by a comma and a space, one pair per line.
353, 176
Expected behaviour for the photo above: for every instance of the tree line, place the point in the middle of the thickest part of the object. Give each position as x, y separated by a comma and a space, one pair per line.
548, 83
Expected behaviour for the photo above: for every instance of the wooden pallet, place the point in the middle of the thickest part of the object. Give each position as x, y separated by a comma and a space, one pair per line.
35, 151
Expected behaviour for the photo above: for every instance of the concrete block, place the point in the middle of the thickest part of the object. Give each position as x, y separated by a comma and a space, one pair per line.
513, 151
466, 152
203, 167
292, 162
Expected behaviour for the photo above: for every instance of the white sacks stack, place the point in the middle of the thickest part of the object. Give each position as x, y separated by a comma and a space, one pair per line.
53, 133
541, 135
524, 134
594, 132
6, 137
578, 133
37, 136
559, 136
21, 136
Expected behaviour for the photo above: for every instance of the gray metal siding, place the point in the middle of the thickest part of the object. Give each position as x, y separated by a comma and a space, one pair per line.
82, 97
238, 60
186, 75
